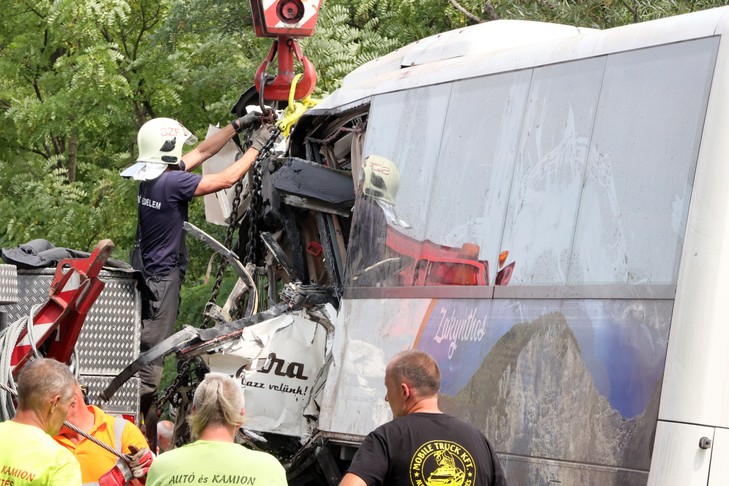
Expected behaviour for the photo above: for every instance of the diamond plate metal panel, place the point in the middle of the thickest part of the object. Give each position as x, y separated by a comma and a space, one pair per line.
109, 338
8, 284
125, 400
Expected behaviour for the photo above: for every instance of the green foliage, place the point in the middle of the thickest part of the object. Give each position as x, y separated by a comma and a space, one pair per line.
339, 46
39, 202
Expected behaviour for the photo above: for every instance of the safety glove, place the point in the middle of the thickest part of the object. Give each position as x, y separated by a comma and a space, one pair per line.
119, 475
246, 121
261, 136
139, 461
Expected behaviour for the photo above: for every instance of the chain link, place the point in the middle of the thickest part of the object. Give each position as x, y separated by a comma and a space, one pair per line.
254, 215
227, 243
176, 384
255, 209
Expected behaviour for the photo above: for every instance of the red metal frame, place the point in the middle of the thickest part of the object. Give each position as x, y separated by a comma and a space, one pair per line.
435, 264
278, 88
73, 291
291, 18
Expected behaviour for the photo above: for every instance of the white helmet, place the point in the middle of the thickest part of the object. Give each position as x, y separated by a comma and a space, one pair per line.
160, 143
381, 182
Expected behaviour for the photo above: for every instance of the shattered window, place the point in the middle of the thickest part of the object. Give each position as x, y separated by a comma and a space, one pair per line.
391, 209
571, 173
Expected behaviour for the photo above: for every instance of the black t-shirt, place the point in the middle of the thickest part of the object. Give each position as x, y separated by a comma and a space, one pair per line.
424, 449
162, 211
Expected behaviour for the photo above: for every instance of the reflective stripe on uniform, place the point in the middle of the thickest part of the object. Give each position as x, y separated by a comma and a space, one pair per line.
119, 424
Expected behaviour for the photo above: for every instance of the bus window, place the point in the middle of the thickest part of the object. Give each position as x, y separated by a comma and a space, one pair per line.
475, 164
550, 168
411, 146
641, 164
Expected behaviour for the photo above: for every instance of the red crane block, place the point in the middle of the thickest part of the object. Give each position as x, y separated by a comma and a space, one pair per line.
290, 18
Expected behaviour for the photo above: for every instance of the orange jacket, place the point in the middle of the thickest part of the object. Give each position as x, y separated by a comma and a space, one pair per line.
96, 460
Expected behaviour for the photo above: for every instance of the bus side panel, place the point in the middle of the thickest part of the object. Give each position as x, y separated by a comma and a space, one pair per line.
696, 389
571, 382
584, 191
719, 470
678, 459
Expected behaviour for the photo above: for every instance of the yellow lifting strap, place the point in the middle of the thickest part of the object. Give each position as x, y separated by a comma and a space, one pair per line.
295, 109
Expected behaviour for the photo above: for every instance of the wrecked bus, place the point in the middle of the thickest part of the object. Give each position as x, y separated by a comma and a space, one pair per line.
541, 207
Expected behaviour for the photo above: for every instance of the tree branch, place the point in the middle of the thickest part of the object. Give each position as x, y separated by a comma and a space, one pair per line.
490, 10
72, 156
465, 12
633, 10
35, 11
28, 149
37, 90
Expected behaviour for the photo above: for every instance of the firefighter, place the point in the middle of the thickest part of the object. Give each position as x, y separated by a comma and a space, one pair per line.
373, 213
166, 187
28, 453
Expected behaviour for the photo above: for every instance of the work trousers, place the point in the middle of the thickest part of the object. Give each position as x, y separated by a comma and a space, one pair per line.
158, 323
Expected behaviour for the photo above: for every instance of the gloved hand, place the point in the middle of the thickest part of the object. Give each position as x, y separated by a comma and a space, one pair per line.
246, 121
261, 136
119, 475
140, 461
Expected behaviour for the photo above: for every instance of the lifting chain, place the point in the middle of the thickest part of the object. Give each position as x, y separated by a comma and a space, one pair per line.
253, 213
171, 390
255, 209
190, 373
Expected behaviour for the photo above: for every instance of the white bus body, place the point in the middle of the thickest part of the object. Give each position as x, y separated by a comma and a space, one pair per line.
598, 160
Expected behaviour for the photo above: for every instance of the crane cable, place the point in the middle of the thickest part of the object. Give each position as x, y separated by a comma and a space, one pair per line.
8, 340
10, 335
75, 429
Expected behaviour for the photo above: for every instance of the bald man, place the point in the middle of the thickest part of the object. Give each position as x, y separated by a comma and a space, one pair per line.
421, 445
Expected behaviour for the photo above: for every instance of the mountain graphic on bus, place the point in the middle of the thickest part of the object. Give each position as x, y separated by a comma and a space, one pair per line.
535, 395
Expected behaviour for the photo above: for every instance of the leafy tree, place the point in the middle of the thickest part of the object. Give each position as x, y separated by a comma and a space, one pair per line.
340, 45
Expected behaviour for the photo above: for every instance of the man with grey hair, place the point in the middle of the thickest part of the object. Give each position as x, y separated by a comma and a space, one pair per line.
28, 453
422, 445
165, 436
214, 457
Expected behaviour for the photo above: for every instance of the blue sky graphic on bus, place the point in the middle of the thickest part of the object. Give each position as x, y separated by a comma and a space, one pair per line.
622, 343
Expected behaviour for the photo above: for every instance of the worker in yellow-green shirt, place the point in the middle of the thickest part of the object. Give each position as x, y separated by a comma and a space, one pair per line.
28, 453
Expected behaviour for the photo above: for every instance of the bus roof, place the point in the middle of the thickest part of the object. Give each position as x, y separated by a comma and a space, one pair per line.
508, 45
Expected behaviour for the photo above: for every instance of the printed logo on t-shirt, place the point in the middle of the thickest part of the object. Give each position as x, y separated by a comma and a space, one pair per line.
441, 462
150, 203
